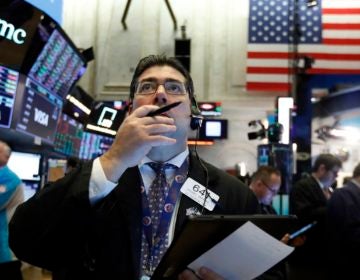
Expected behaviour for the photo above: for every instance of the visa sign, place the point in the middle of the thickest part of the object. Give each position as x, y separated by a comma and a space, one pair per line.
41, 117
8, 31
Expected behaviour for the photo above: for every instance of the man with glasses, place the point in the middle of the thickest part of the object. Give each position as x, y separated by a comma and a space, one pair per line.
103, 221
308, 201
265, 183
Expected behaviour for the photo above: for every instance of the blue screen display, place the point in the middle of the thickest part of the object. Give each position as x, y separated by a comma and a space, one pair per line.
8, 84
52, 7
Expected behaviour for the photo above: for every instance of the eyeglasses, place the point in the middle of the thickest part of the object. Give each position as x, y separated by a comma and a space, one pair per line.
274, 192
150, 87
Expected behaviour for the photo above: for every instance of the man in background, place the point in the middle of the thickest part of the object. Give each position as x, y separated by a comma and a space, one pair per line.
71, 164
11, 195
265, 183
308, 201
344, 228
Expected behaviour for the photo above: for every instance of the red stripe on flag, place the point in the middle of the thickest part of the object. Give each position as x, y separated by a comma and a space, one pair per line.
341, 11
341, 26
325, 56
274, 55
334, 56
335, 41
268, 70
268, 86
333, 71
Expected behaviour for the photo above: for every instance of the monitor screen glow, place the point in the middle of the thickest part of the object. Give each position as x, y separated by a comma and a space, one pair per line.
212, 129
8, 84
37, 111
25, 165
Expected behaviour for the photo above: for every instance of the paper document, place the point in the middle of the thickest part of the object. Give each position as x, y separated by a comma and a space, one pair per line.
243, 255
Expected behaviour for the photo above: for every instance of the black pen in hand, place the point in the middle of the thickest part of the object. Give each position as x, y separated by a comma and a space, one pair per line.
163, 109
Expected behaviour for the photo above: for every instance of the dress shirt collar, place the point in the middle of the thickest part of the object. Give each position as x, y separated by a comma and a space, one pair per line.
177, 160
318, 181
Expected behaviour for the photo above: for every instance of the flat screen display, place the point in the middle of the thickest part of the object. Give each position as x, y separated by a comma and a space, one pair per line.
18, 22
30, 188
210, 108
8, 85
37, 112
94, 145
68, 136
117, 104
52, 7
35, 45
59, 65
25, 165
214, 129
105, 119
78, 104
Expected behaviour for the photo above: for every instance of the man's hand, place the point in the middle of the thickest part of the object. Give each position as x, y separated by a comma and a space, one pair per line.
134, 139
204, 274
296, 242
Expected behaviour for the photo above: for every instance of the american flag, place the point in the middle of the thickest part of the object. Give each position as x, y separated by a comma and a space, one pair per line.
330, 34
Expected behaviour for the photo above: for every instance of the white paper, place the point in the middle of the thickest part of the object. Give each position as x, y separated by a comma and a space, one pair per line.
243, 255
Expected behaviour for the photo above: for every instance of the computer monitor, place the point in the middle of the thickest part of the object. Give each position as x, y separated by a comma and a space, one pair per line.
94, 145
78, 104
25, 165
8, 85
59, 64
36, 111
30, 188
34, 44
105, 119
68, 136
212, 129
210, 108
19, 21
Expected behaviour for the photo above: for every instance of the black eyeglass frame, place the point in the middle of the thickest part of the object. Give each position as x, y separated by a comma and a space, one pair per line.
274, 192
155, 85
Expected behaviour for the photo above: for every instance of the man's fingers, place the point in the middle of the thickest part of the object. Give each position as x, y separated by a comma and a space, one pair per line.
207, 274
160, 128
142, 111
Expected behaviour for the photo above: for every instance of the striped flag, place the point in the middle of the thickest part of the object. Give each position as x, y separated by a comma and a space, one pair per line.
329, 34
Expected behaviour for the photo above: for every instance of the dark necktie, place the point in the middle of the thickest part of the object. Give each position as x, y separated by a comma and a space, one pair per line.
266, 209
158, 206
158, 192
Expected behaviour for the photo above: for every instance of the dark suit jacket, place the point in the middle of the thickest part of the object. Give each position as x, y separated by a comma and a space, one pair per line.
59, 230
308, 203
344, 229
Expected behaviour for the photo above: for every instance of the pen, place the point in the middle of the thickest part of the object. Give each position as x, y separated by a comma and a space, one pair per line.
194, 272
163, 109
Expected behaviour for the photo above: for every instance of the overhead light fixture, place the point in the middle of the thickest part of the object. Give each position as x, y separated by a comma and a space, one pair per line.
200, 142
78, 104
101, 129
312, 3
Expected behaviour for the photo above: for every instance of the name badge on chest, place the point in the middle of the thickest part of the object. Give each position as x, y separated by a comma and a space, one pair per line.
199, 194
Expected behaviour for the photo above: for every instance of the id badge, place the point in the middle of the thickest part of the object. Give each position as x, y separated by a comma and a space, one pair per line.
199, 194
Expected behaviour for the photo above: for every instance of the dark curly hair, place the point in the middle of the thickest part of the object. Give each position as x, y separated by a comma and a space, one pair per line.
161, 60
